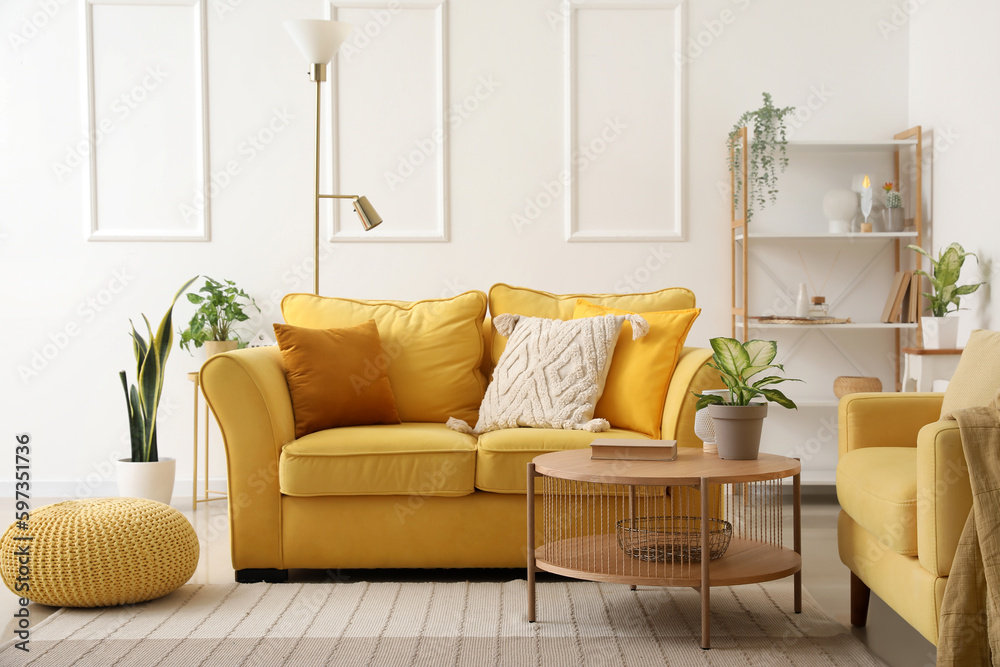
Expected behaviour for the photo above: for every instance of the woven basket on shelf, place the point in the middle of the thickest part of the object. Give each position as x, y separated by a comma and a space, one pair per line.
672, 538
848, 384
99, 553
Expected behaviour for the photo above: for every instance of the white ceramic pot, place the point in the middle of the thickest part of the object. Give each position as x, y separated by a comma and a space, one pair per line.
940, 333
839, 207
152, 481
703, 426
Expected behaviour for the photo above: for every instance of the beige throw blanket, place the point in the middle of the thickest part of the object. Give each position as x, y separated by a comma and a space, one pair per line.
969, 627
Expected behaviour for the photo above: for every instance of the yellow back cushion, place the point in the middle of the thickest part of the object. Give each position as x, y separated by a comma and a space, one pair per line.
433, 348
535, 303
977, 377
640, 371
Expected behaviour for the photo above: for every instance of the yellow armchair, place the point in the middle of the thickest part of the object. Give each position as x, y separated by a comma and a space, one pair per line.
903, 486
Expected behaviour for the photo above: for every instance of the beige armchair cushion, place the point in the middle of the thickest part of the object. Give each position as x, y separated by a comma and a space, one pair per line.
977, 378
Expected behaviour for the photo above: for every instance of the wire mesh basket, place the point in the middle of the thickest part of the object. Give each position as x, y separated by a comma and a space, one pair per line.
669, 538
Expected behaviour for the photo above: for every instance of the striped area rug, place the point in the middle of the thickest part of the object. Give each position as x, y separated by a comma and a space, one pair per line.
579, 623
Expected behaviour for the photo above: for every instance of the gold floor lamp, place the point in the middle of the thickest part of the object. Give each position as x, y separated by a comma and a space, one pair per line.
319, 40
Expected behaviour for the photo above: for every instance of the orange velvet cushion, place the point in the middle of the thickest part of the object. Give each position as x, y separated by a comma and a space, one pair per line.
336, 377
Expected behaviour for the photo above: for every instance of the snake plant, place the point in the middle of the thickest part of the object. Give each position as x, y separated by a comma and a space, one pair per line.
738, 362
142, 400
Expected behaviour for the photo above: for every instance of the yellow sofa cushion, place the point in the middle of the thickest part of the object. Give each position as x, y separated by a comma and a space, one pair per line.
433, 348
536, 303
636, 385
503, 457
977, 377
397, 459
877, 487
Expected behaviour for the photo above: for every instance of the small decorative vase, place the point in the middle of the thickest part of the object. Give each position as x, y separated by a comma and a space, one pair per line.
839, 206
892, 219
214, 347
738, 429
703, 426
940, 333
152, 481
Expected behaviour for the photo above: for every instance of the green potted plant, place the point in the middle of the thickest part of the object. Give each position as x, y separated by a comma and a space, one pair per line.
892, 214
145, 474
220, 306
767, 148
941, 331
739, 418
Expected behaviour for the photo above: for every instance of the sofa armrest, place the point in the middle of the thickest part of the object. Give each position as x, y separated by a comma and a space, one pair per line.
884, 419
944, 495
690, 376
247, 391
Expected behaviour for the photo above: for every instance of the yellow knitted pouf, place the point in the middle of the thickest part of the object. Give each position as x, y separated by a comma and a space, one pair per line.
98, 553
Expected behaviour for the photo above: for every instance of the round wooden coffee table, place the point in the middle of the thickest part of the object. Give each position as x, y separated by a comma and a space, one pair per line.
640, 522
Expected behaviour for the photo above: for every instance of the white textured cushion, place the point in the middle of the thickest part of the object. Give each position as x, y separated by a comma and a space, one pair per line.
551, 372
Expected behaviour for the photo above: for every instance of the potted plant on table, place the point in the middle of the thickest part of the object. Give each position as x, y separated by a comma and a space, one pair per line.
739, 420
767, 148
145, 475
220, 306
941, 331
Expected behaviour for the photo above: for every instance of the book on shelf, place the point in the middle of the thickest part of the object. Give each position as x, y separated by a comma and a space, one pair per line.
894, 306
621, 449
914, 314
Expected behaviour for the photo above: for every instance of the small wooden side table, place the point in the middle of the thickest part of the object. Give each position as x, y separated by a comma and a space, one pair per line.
220, 495
641, 522
921, 367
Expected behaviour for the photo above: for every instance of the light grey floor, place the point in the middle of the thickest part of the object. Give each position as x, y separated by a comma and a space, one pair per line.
888, 636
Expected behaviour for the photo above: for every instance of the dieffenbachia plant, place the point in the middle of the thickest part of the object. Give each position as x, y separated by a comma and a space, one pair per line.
737, 363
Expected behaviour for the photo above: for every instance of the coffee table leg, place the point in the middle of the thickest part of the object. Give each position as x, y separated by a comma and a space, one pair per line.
706, 620
631, 516
531, 542
797, 537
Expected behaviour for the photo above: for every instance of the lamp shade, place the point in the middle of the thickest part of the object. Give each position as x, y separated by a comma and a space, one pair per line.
369, 217
318, 39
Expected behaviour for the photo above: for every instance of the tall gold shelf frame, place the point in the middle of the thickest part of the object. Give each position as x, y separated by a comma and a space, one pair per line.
739, 230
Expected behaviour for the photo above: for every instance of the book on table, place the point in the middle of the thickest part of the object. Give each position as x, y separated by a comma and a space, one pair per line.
621, 449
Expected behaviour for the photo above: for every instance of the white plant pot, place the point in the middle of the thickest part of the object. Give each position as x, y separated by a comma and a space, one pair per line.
839, 207
152, 481
940, 333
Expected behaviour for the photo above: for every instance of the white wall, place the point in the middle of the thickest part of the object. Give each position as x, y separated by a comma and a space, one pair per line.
830, 56
954, 64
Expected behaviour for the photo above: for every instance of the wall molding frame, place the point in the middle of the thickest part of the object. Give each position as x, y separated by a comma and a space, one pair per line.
94, 231
441, 232
675, 231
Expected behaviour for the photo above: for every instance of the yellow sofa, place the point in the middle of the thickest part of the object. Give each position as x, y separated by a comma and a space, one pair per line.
903, 486
409, 495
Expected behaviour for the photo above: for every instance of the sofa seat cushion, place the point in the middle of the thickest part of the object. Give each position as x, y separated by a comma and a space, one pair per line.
502, 461
397, 459
877, 487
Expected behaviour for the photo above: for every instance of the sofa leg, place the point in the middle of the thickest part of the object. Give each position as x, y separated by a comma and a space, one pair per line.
267, 575
860, 594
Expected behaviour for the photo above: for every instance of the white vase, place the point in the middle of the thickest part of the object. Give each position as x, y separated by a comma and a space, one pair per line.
152, 481
839, 206
940, 333
703, 426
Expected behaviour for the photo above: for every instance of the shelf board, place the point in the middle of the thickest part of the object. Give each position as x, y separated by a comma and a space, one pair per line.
853, 146
852, 325
851, 236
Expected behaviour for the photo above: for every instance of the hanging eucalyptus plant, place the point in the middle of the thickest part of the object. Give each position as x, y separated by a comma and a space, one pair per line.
767, 148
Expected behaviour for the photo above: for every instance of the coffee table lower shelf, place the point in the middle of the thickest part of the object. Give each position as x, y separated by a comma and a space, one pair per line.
598, 558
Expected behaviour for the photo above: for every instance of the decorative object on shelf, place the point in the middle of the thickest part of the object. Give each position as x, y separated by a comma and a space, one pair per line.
848, 384
319, 39
866, 204
767, 151
704, 427
802, 302
738, 421
892, 214
658, 539
261, 339
144, 475
818, 308
212, 324
839, 207
805, 321
940, 331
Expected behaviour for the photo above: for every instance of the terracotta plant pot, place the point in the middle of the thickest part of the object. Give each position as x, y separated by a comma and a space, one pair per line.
737, 429
152, 481
214, 347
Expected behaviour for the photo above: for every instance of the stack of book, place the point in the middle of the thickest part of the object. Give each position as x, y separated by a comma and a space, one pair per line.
902, 305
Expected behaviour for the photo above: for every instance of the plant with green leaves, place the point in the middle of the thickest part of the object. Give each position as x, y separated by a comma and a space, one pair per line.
737, 363
220, 306
946, 270
768, 154
143, 399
